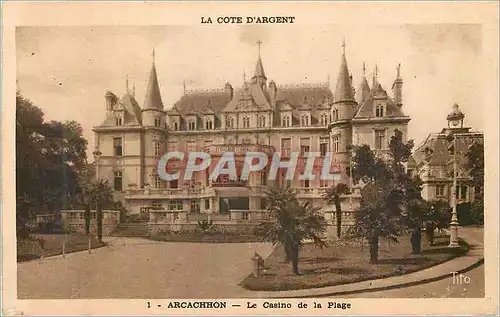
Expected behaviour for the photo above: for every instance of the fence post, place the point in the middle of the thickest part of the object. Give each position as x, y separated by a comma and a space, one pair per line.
90, 238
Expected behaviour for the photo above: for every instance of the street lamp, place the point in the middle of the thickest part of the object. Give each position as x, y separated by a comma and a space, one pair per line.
96, 154
455, 118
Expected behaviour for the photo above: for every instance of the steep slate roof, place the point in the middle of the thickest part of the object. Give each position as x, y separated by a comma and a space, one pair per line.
202, 101
366, 110
295, 96
153, 95
435, 149
131, 112
252, 92
343, 90
259, 69
363, 91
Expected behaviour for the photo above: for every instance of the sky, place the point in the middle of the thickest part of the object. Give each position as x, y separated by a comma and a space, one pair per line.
66, 70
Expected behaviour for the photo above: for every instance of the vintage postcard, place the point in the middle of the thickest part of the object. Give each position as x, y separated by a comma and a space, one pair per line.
250, 159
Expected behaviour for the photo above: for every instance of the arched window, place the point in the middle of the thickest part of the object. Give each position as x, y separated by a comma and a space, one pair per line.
379, 111
191, 124
286, 121
208, 124
246, 122
230, 122
262, 121
324, 119
305, 120
335, 114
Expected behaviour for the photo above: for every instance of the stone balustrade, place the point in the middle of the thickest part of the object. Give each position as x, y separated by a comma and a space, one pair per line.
170, 192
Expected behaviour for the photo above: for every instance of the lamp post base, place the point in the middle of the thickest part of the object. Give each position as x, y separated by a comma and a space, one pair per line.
454, 237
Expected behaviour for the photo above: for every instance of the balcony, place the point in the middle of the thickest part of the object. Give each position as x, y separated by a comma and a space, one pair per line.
169, 192
310, 192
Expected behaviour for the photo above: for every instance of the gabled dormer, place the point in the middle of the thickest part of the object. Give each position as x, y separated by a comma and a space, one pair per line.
208, 119
191, 119
174, 118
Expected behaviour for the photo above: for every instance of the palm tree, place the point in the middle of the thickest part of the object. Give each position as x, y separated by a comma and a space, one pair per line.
414, 216
378, 216
290, 223
333, 196
437, 218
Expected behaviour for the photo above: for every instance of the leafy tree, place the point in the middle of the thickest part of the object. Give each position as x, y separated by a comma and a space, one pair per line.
290, 223
475, 164
49, 155
333, 196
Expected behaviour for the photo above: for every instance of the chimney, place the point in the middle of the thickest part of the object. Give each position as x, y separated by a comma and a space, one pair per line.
397, 88
272, 93
229, 90
111, 100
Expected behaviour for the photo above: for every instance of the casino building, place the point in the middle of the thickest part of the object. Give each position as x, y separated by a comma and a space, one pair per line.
258, 115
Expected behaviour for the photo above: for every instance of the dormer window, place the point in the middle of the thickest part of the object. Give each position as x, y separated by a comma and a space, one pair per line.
209, 124
119, 121
379, 111
286, 121
246, 122
324, 119
262, 121
230, 122
191, 125
305, 120
157, 122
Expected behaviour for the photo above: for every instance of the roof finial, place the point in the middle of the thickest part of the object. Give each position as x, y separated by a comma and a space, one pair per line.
153, 54
133, 89
259, 42
184, 86
126, 84
399, 70
343, 46
364, 69
328, 79
244, 77
375, 74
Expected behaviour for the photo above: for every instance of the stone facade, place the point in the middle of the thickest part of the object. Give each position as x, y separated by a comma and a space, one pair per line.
434, 162
294, 118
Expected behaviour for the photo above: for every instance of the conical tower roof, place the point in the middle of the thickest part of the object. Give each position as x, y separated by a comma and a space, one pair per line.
153, 95
343, 90
364, 88
259, 69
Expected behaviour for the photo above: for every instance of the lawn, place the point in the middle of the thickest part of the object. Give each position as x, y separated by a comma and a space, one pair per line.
29, 249
345, 262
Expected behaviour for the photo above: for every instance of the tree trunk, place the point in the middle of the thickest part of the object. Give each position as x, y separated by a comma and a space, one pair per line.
416, 239
374, 248
429, 233
87, 218
99, 221
338, 216
295, 260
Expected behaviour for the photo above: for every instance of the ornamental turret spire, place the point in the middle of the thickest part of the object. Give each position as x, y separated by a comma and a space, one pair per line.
259, 76
153, 95
343, 90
